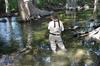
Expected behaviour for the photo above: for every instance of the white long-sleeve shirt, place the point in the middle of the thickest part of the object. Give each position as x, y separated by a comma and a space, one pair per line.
57, 29
25, 0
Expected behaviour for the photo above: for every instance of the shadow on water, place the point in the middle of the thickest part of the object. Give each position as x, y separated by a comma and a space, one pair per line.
40, 54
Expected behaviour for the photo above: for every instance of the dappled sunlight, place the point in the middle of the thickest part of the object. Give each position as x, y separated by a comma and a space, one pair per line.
61, 53
79, 53
89, 62
73, 58
81, 56
59, 59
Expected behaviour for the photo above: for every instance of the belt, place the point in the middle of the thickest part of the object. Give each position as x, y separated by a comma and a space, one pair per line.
55, 34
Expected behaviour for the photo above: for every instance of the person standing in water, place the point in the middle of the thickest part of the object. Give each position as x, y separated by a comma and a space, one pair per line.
55, 28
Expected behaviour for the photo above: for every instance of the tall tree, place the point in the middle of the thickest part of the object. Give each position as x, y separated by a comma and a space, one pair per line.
22, 9
7, 6
95, 8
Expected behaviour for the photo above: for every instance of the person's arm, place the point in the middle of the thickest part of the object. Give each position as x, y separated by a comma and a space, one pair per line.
49, 26
62, 26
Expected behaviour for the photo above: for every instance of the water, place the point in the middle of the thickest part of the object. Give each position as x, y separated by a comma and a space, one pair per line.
34, 34
17, 32
10, 31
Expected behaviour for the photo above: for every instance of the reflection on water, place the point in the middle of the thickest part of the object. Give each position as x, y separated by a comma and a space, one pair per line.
10, 31
17, 32
43, 57
4, 35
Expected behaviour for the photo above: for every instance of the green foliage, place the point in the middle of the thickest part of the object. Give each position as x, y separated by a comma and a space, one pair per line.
56, 2
13, 5
41, 3
44, 3
89, 2
84, 15
2, 9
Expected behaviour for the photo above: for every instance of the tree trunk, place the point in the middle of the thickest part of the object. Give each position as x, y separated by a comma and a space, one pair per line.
22, 9
7, 6
98, 8
95, 8
29, 34
28, 30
